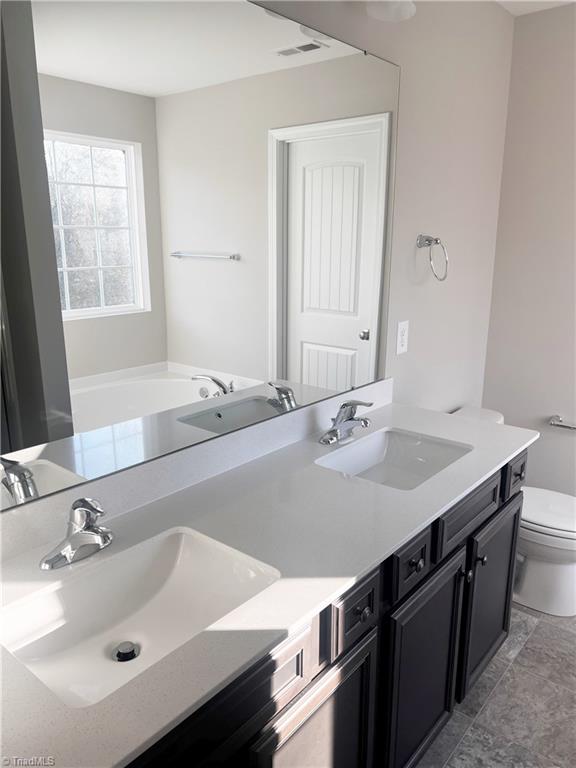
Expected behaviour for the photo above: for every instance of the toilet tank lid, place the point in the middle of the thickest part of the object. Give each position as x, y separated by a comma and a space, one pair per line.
549, 509
482, 414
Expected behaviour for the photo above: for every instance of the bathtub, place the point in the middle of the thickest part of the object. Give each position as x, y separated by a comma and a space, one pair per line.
116, 400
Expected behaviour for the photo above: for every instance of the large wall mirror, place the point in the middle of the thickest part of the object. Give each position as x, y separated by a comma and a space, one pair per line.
219, 181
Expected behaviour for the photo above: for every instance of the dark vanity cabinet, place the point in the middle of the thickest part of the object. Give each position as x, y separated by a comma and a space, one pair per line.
373, 679
331, 724
491, 557
437, 641
418, 670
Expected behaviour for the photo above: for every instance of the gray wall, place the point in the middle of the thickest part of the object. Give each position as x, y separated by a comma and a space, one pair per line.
212, 145
531, 365
455, 62
104, 344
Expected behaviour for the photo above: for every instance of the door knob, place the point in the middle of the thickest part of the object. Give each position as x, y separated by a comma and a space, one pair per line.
364, 335
482, 560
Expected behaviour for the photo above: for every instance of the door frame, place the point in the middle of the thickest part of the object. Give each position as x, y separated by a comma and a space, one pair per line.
279, 140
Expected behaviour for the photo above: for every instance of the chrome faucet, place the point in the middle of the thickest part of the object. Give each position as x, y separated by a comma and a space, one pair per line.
345, 422
284, 400
223, 389
19, 481
84, 537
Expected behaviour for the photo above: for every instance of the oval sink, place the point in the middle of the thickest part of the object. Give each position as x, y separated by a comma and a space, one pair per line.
395, 457
236, 415
156, 595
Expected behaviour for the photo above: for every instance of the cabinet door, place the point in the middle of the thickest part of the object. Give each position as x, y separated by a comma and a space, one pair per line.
421, 645
488, 597
331, 724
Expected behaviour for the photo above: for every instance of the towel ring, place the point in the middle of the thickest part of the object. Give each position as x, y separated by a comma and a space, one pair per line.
426, 241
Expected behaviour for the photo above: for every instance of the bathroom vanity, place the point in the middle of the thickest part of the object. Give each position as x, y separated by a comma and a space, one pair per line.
376, 674
304, 608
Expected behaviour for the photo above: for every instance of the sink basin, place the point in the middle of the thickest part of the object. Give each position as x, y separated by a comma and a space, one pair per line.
235, 415
157, 594
395, 458
48, 477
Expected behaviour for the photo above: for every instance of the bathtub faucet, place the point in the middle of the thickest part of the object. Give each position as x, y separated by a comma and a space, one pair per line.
223, 389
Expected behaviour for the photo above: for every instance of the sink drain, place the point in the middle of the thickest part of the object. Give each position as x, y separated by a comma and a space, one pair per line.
126, 651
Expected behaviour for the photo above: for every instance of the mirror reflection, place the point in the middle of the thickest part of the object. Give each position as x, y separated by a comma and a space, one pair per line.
219, 185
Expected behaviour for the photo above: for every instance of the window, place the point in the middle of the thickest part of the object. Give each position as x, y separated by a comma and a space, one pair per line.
96, 194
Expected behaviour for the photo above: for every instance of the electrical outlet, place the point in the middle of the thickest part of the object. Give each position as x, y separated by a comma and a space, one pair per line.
402, 337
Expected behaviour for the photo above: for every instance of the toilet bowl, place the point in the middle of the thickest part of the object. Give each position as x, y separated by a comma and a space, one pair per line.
546, 562
546, 566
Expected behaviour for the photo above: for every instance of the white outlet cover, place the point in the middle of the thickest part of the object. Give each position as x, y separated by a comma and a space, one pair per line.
402, 337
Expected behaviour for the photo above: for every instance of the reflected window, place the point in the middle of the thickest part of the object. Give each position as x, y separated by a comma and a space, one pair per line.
109, 449
97, 201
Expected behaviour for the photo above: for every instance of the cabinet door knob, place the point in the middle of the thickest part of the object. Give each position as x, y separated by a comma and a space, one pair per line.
364, 613
469, 577
482, 560
417, 565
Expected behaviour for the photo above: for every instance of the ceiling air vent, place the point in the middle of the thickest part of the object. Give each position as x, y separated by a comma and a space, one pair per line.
288, 52
304, 48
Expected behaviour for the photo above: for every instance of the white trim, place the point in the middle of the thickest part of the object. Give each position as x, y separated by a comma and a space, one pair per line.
136, 224
279, 140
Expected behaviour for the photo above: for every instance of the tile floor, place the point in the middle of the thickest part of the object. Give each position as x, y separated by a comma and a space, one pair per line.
522, 711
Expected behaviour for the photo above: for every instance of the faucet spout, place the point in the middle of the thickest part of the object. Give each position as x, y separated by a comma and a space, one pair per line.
345, 423
18, 481
84, 538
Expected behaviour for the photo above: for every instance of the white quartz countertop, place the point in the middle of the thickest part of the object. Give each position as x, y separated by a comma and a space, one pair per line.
322, 530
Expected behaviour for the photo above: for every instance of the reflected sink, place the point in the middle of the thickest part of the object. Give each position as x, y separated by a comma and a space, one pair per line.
48, 478
396, 458
235, 415
157, 594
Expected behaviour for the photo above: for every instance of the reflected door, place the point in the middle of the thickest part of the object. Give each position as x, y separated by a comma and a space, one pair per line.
335, 229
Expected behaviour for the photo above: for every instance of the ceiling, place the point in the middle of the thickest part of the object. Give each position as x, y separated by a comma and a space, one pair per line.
158, 48
521, 7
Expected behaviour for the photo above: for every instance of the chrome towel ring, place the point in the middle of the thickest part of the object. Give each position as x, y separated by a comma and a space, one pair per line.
427, 241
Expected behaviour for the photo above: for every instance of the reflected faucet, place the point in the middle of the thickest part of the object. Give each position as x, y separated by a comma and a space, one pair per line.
345, 422
284, 400
84, 537
19, 481
223, 389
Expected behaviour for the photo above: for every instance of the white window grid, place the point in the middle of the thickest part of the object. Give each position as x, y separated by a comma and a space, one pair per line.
136, 227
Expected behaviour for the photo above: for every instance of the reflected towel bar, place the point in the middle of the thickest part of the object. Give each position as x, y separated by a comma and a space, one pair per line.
205, 255
556, 421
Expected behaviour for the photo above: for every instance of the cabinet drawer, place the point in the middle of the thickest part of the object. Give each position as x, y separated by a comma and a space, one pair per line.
514, 475
450, 530
353, 615
241, 710
411, 564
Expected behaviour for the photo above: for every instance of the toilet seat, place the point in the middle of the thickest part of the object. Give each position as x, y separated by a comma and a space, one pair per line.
549, 513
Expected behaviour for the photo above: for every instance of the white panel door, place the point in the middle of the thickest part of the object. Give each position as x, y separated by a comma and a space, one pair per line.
336, 199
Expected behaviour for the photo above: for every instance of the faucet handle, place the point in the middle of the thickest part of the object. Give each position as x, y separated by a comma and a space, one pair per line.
84, 513
350, 406
356, 403
280, 388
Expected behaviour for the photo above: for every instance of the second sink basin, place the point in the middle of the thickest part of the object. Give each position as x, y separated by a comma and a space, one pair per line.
395, 457
235, 415
157, 594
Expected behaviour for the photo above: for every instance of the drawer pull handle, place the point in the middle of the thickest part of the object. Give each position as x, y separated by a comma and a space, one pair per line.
364, 613
417, 565
482, 560
519, 475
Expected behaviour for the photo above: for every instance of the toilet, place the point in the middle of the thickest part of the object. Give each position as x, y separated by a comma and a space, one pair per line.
546, 566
